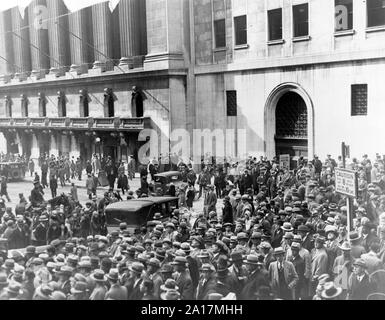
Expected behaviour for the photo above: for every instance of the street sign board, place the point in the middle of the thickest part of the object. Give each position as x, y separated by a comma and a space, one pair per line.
346, 182
284, 161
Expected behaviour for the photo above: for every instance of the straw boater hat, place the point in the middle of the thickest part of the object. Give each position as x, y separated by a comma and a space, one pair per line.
330, 291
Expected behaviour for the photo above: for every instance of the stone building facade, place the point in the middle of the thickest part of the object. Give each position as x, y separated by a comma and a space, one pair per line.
298, 77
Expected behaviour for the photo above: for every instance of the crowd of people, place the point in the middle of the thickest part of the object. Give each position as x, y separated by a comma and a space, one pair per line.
277, 234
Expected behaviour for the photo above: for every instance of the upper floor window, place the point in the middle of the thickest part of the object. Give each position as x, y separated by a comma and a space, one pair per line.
240, 25
343, 15
42, 105
359, 99
109, 103
84, 104
220, 33
231, 103
8, 106
301, 20
62, 104
376, 12
24, 106
275, 24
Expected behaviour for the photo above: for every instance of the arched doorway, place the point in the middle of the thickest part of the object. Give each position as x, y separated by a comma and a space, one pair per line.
289, 122
291, 126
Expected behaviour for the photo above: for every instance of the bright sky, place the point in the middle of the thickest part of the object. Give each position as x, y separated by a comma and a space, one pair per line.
72, 5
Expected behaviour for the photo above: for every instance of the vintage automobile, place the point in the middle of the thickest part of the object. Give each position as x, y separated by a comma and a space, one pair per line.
135, 213
163, 180
14, 171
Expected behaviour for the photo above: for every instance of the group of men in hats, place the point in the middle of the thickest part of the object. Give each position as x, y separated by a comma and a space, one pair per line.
284, 238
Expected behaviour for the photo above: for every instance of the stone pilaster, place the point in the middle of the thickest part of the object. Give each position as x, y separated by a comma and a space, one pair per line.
58, 36
165, 34
38, 34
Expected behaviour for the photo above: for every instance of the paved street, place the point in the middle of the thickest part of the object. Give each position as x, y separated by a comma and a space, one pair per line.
25, 187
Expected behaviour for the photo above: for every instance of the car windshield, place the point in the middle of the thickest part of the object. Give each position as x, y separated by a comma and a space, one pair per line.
131, 218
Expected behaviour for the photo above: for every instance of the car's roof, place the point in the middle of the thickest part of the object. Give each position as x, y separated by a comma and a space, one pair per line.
137, 204
168, 174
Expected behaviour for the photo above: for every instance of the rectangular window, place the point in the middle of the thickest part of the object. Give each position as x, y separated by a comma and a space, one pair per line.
376, 13
275, 24
231, 103
359, 99
240, 25
220, 33
343, 15
301, 20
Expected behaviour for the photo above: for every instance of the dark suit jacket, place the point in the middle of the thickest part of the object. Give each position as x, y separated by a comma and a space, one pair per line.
185, 285
133, 291
255, 280
204, 291
360, 290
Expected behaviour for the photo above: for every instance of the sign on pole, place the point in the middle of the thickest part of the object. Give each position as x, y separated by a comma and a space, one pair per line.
284, 161
346, 182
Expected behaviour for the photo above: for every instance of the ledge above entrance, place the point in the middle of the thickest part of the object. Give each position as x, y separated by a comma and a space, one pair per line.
100, 124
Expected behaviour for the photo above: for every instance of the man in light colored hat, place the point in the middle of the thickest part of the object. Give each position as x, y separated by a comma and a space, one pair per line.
100, 290
283, 276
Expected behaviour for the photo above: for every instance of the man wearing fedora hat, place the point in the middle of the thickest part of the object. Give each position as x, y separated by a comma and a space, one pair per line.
183, 278
360, 285
257, 277
283, 276
319, 262
153, 274
116, 291
100, 290
226, 281
355, 242
207, 282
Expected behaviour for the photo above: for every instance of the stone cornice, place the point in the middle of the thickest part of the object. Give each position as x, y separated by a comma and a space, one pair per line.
84, 80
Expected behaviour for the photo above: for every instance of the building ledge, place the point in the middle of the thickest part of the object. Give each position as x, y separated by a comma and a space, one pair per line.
242, 47
275, 42
300, 39
375, 29
69, 124
345, 33
220, 49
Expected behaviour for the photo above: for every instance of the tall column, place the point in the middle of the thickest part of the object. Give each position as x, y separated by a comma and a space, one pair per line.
75, 150
6, 47
19, 141
166, 25
38, 34
81, 39
102, 31
35, 150
58, 36
53, 149
130, 30
21, 46
3, 142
